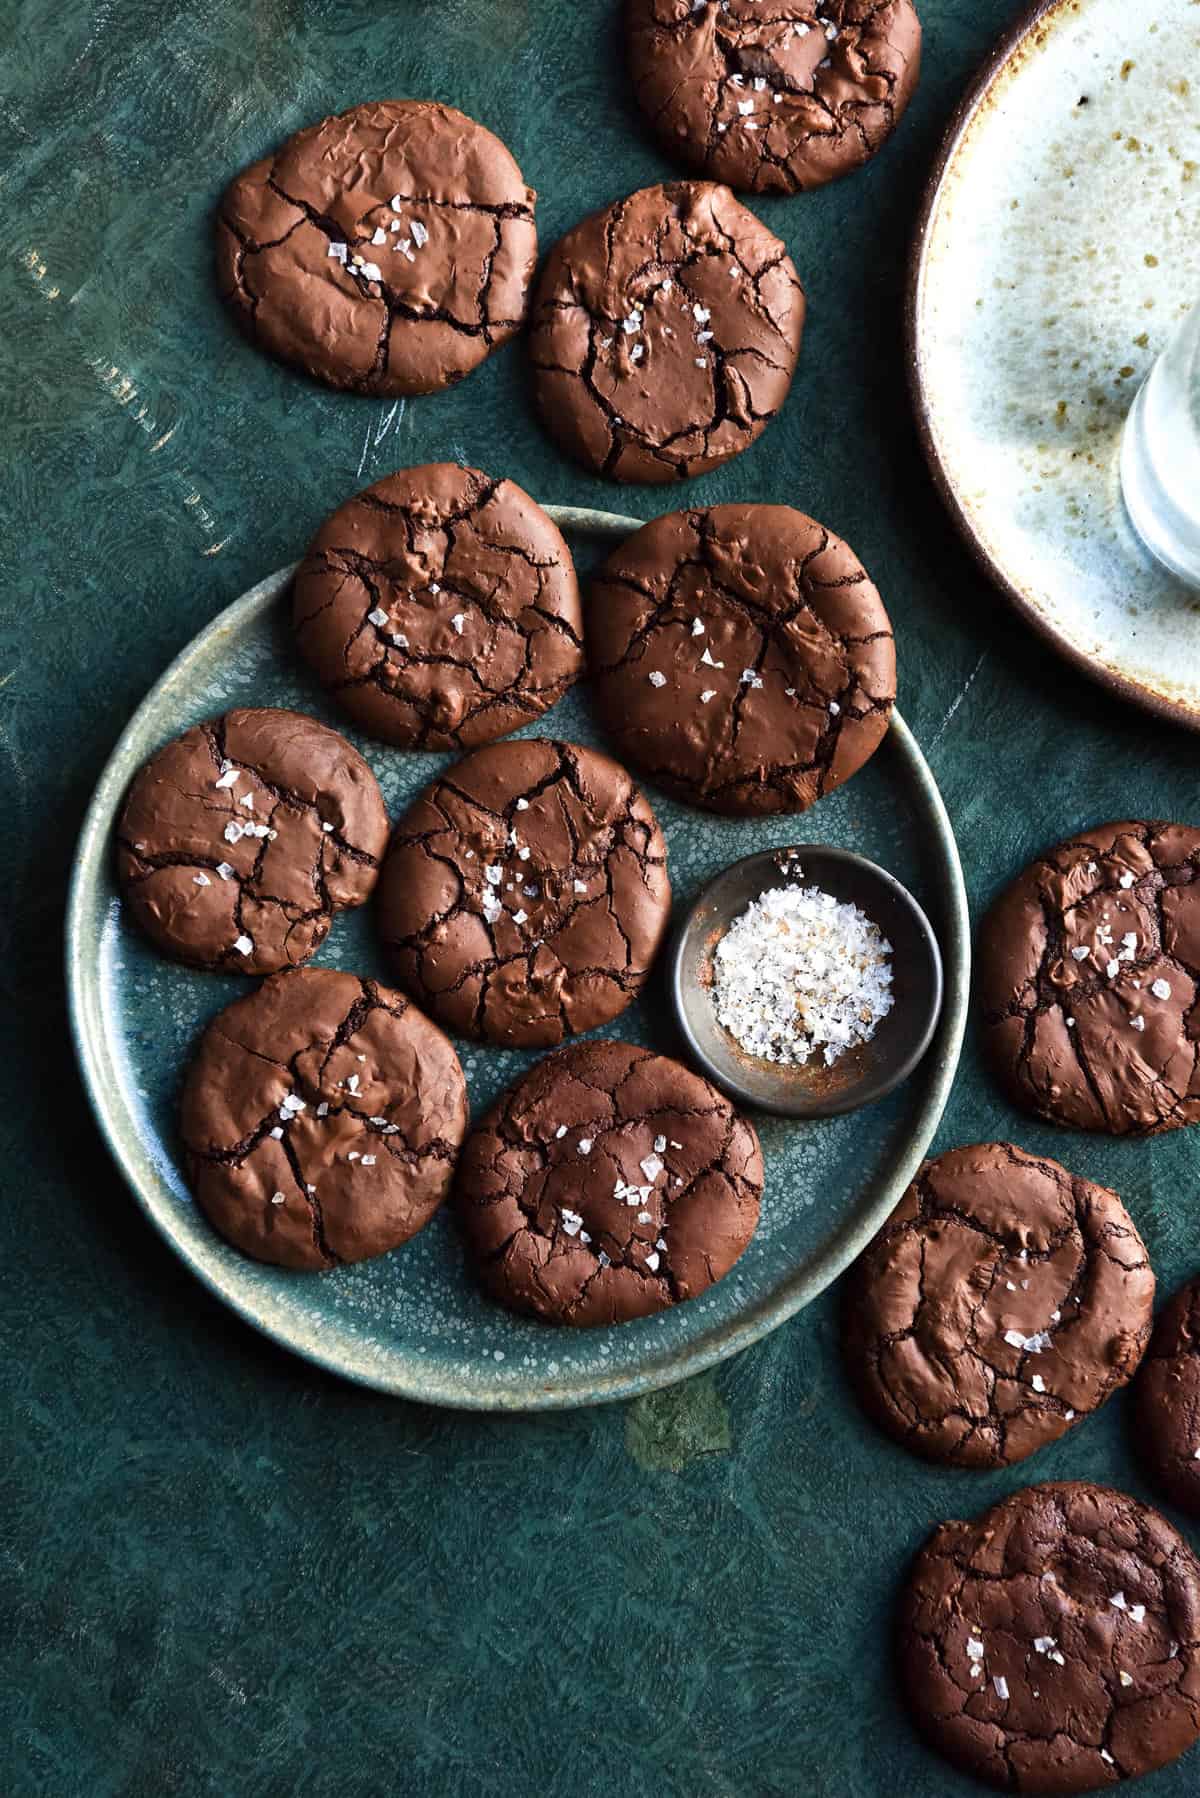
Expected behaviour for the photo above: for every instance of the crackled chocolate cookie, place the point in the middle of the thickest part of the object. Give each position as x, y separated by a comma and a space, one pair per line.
441, 607
1089, 974
242, 839
664, 333
1004, 1299
525, 893
608, 1183
742, 657
1168, 1400
774, 95
322, 1117
388, 249
1053, 1644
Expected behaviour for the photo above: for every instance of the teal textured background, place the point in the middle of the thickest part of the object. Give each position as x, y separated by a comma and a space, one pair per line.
223, 1572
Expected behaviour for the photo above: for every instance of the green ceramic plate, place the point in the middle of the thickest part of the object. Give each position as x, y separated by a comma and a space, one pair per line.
412, 1323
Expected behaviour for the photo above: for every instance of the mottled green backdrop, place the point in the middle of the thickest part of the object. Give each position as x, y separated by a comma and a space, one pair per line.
224, 1573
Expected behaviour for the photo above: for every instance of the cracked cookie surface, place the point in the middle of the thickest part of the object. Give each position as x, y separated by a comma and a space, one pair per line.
388, 249
441, 608
741, 657
1089, 978
1053, 1643
1168, 1400
774, 96
241, 840
525, 893
1004, 1299
607, 1184
322, 1118
664, 333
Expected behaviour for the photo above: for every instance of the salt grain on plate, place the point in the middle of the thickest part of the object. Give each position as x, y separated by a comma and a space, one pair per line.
798, 971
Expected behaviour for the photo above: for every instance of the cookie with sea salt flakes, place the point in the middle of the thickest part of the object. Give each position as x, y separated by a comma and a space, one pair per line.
525, 893
388, 249
1089, 973
1004, 1300
1168, 1400
608, 1183
741, 657
774, 97
441, 608
322, 1117
1052, 1644
241, 840
664, 333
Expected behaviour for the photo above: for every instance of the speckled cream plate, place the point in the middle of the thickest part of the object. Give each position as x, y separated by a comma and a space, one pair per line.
1058, 247
412, 1322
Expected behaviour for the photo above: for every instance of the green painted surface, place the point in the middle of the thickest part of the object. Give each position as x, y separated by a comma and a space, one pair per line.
223, 1572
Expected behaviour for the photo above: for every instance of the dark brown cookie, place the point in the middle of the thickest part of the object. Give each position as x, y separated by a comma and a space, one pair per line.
441, 607
1089, 969
608, 1183
388, 249
322, 1117
1004, 1299
1053, 1644
664, 333
742, 657
1168, 1399
525, 893
240, 840
774, 95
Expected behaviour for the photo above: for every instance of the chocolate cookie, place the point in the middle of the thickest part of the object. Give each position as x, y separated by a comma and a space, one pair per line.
1053, 1644
608, 1183
1089, 973
742, 657
1004, 1299
525, 893
776, 97
1168, 1399
240, 840
664, 333
388, 249
441, 607
322, 1117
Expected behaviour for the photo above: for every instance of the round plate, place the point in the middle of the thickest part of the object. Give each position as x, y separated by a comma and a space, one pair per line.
412, 1322
1058, 248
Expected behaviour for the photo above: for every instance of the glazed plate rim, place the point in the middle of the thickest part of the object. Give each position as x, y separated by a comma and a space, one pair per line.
1007, 49
410, 1376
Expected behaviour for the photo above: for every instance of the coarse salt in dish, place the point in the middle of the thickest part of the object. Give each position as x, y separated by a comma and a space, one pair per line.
800, 972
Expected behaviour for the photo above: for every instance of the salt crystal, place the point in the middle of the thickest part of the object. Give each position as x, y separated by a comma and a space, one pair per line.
420, 235
244, 946
1001, 1685
522, 805
369, 1160
660, 1143
579, 886
652, 1261
1126, 881
225, 870
378, 616
708, 693
338, 252
1125, 1678
584, 1145
1079, 954
277, 1198
276, 1134
519, 917
656, 679
201, 880
1160, 989
651, 1166
380, 236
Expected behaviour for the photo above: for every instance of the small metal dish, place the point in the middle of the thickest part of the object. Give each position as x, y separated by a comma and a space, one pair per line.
861, 1075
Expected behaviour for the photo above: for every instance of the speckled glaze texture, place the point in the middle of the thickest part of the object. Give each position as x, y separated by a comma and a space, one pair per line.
1058, 254
225, 1574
